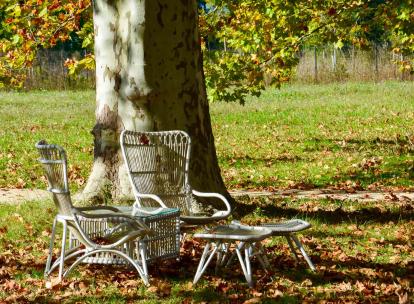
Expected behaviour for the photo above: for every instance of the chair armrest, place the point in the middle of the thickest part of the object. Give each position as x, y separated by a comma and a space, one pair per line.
92, 208
153, 197
124, 216
137, 225
216, 195
136, 209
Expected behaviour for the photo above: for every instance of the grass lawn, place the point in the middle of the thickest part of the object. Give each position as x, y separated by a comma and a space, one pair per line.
346, 136
338, 135
355, 135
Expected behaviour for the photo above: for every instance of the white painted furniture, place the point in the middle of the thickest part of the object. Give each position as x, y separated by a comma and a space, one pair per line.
158, 168
104, 243
227, 241
288, 229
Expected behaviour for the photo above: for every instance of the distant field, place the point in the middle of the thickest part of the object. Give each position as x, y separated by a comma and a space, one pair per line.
353, 136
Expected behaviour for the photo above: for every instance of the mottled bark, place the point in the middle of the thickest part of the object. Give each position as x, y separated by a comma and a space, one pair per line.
149, 77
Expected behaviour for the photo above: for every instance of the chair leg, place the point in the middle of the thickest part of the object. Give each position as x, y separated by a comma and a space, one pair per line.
143, 253
234, 254
63, 249
226, 250
302, 250
245, 264
51, 245
261, 256
219, 257
247, 254
204, 261
183, 236
289, 240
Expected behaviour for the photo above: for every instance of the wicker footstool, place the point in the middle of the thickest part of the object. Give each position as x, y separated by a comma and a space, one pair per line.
243, 240
288, 230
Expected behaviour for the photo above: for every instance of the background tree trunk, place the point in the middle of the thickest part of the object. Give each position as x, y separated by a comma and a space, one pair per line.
149, 76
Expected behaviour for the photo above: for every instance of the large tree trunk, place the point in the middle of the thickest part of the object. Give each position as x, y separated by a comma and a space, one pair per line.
149, 76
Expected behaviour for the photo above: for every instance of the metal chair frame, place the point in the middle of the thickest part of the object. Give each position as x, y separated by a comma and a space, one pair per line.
288, 229
158, 168
125, 228
227, 242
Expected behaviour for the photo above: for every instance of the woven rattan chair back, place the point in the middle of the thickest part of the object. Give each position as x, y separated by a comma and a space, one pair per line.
54, 162
158, 163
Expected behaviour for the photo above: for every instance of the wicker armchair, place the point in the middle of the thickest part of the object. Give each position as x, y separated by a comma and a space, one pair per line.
119, 228
158, 166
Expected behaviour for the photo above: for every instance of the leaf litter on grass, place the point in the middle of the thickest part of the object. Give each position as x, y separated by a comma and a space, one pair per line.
361, 256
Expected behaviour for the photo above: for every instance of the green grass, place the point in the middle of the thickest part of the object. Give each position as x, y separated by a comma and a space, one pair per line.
318, 136
363, 252
339, 135
65, 118
336, 135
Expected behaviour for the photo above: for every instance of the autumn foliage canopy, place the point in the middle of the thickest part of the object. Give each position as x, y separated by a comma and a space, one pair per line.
246, 43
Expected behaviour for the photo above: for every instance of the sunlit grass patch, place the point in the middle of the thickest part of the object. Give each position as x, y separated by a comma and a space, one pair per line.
64, 118
323, 136
29, 221
356, 135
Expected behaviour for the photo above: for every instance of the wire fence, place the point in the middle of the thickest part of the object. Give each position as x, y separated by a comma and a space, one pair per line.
327, 64
316, 65
49, 72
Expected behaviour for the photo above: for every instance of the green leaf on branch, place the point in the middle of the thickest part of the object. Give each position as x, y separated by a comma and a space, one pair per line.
339, 44
43, 12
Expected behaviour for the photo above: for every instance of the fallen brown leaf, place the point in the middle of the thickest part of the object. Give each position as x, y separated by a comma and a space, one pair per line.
253, 300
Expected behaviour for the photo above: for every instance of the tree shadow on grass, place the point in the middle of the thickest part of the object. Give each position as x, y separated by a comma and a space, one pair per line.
356, 238
352, 269
374, 175
400, 145
261, 160
366, 214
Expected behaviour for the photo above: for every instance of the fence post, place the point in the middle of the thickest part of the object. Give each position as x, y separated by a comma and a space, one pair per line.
376, 61
394, 63
334, 59
62, 68
315, 56
353, 60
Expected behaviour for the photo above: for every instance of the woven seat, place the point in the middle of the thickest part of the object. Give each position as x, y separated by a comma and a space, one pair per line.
158, 166
117, 231
289, 226
163, 243
235, 232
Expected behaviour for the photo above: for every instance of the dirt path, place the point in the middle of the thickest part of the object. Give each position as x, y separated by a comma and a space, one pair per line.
366, 196
18, 196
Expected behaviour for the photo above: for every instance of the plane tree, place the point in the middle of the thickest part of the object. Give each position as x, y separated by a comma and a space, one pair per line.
150, 72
